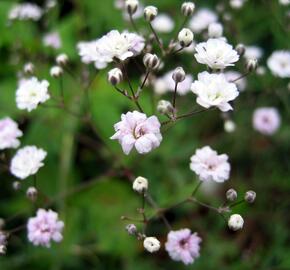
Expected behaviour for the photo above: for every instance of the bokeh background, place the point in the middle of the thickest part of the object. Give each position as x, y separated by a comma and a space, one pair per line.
86, 174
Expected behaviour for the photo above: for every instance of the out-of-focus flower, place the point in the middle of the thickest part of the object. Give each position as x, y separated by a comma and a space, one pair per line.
28, 68
187, 8
151, 244
137, 130
236, 222
30, 93
183, 246
9, 133
266, 120
237, 4
253, 52
25, 11
215, 30
279, 64
202, 19
216, 54
45, 228
56, 71
251, 65
229, 126
250, 196
213, 90
52, 40
284, 2
163, 23
210, 166
27, 161
233, 75
62, 59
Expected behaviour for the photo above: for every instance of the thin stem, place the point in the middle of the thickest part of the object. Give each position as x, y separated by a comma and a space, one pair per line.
145, 79
196, 188
194, 200
174, 96
241, 77
156, 37
237, 203
133, 22
61, 90
124, 93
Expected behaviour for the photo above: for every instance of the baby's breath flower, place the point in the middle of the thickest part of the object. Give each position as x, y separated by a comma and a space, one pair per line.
235, 222
151, 244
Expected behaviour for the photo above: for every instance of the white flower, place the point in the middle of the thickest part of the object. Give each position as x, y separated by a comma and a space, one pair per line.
9, 133
150, 13
215, 30
279, 64
216, 53
30, 93
56, 71
210, 166
52, 40
235, 222
163, 23
151, 244
27, 161
237, 4
253, 52
229, 126
214, 90
62, 59
137, 130
185, 37
202, 19
284, 2
233, 75
25, 11
140, 184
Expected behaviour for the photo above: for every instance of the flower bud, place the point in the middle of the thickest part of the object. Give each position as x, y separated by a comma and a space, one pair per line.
131, 229
3, 249
250, 196
187, 8
185, 37
32, 193
16, 185
115, 76
62, 59
164, 107
235, 222
231, 195
28, 68
240, 48
178, 75
56, 71
2, 223
151, 244
261, 71
229, 126
131, 6
151, 61
150, 13
215, 30
251, 64
140, 184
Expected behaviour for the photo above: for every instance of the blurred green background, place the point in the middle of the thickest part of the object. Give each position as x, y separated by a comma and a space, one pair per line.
86, 174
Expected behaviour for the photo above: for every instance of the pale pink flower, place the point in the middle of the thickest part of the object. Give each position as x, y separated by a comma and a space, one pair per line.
136, 129
44, 228
266, 120
52, 40
183, 246
210, 166
9, 133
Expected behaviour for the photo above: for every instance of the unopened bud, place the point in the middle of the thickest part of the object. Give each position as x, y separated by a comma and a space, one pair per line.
229, 126
140, 184
250, 196
16, 185
150, 13
231, 195
240, 48
187, 8
215, 30
178, 75
164, 107
235, 222
131, 229
56, 71
28, 68
251, 64
131, 6
185, 37
3, 249
62, 59
151, 61
32, 193
115, 76
151, 244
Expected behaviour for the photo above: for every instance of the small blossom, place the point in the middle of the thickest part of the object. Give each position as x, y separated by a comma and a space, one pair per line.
137, 130
140, 184
131, 229
32, 193
187, 8
151, 244
151, 61
237, 4
214, 90
182, 245
253, 52
210, 166
56, 71
45, 228
178, 75
201, 20
9, 134
52, 40
163, 23
185, 37
279, 64
215, 30
241, 49
229, 126
164, 107
250, 196
115, 76
30, 93
62, 59
25, 11
216, 54
235, 222
150, 13
251, 65
266, 120
28, 68
27, 161
231, 195
131, 6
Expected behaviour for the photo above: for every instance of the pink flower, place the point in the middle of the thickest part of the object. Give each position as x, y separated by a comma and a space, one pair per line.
266, 120
210, 166
44, 228
135, 129
9, 133
183, 246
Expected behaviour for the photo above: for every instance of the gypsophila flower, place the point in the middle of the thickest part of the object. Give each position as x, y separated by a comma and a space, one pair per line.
210, 166
279, 64
30, 93
215, 30
27, 161
284, 2
62, 59
236, 222
9, 133
163, 23
214, 90
56, 71
182, 245
201, 20
25, 11
237, 4
137, 130
151, 244
45, 228
266, 120
52, 40
233, 75
229, 126
253, 52
140, 184
28, 68
216, 53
